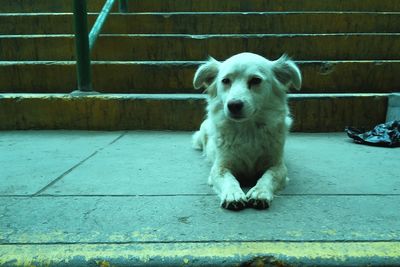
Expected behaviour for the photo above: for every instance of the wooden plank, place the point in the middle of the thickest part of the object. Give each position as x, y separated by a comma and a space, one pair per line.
256, 5
205, 23
29, 6
208, 5
175, 112
318, 113
176, 77
368, 46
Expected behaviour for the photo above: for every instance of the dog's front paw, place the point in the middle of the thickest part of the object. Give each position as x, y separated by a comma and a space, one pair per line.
259, 198
235, 200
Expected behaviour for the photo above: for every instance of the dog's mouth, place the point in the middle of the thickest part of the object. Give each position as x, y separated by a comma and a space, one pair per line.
238, 117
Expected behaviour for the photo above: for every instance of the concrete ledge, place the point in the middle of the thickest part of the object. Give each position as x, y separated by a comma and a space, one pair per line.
312, 112
204, 254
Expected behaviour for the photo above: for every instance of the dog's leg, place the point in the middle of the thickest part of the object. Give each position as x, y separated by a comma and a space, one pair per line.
228, 188
199, 138
261, 195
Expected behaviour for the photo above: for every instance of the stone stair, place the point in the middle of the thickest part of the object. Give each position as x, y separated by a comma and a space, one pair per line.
144, 61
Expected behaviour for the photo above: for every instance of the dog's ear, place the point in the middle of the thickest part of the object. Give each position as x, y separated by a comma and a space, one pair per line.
286, 72
206, 73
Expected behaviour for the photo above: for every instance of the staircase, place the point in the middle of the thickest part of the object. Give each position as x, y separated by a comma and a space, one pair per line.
144, 61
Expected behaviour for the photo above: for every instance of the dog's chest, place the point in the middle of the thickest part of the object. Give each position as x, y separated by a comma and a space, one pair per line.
246, 150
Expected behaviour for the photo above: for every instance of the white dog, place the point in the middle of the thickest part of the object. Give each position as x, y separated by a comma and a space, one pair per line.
247, 122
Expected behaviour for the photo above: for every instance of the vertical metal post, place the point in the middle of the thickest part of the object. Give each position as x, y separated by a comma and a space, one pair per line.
123, 6
82, 46
393, 107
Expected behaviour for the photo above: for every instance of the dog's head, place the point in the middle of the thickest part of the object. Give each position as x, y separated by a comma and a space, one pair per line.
246, 83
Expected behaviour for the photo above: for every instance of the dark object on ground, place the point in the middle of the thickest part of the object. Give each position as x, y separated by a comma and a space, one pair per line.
386, 134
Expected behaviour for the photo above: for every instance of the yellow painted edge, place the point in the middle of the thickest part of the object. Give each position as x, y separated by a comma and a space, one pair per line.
43, 254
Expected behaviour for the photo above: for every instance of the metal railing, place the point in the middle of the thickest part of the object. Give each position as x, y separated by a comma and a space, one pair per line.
84, 41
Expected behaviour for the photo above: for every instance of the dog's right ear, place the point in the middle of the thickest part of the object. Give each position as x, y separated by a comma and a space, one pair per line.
206, 74
286, 72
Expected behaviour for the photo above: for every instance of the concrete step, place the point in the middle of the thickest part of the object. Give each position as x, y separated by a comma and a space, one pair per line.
209, 23
207, 5
312, 113
140, 198
176, 76
371, 46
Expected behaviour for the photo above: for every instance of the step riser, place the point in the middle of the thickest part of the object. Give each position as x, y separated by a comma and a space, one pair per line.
131, 112
318, 77
207, 5
164, 47
209, 23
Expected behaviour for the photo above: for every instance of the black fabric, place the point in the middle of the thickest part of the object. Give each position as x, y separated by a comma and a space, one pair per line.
386, 134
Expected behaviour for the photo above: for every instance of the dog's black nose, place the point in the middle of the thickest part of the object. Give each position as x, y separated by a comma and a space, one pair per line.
235, 106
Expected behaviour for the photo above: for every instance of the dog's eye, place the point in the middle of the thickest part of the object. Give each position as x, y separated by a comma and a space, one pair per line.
254, 81
226, 81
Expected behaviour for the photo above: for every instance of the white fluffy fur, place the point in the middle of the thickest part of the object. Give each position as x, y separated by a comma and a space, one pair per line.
246, 146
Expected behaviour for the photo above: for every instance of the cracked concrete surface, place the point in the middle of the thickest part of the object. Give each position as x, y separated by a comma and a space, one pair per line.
119, 194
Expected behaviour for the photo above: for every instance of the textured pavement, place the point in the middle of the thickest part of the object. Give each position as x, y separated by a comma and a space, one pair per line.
141, 198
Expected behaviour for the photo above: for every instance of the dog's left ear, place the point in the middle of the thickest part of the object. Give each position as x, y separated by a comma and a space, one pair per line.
286, 72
